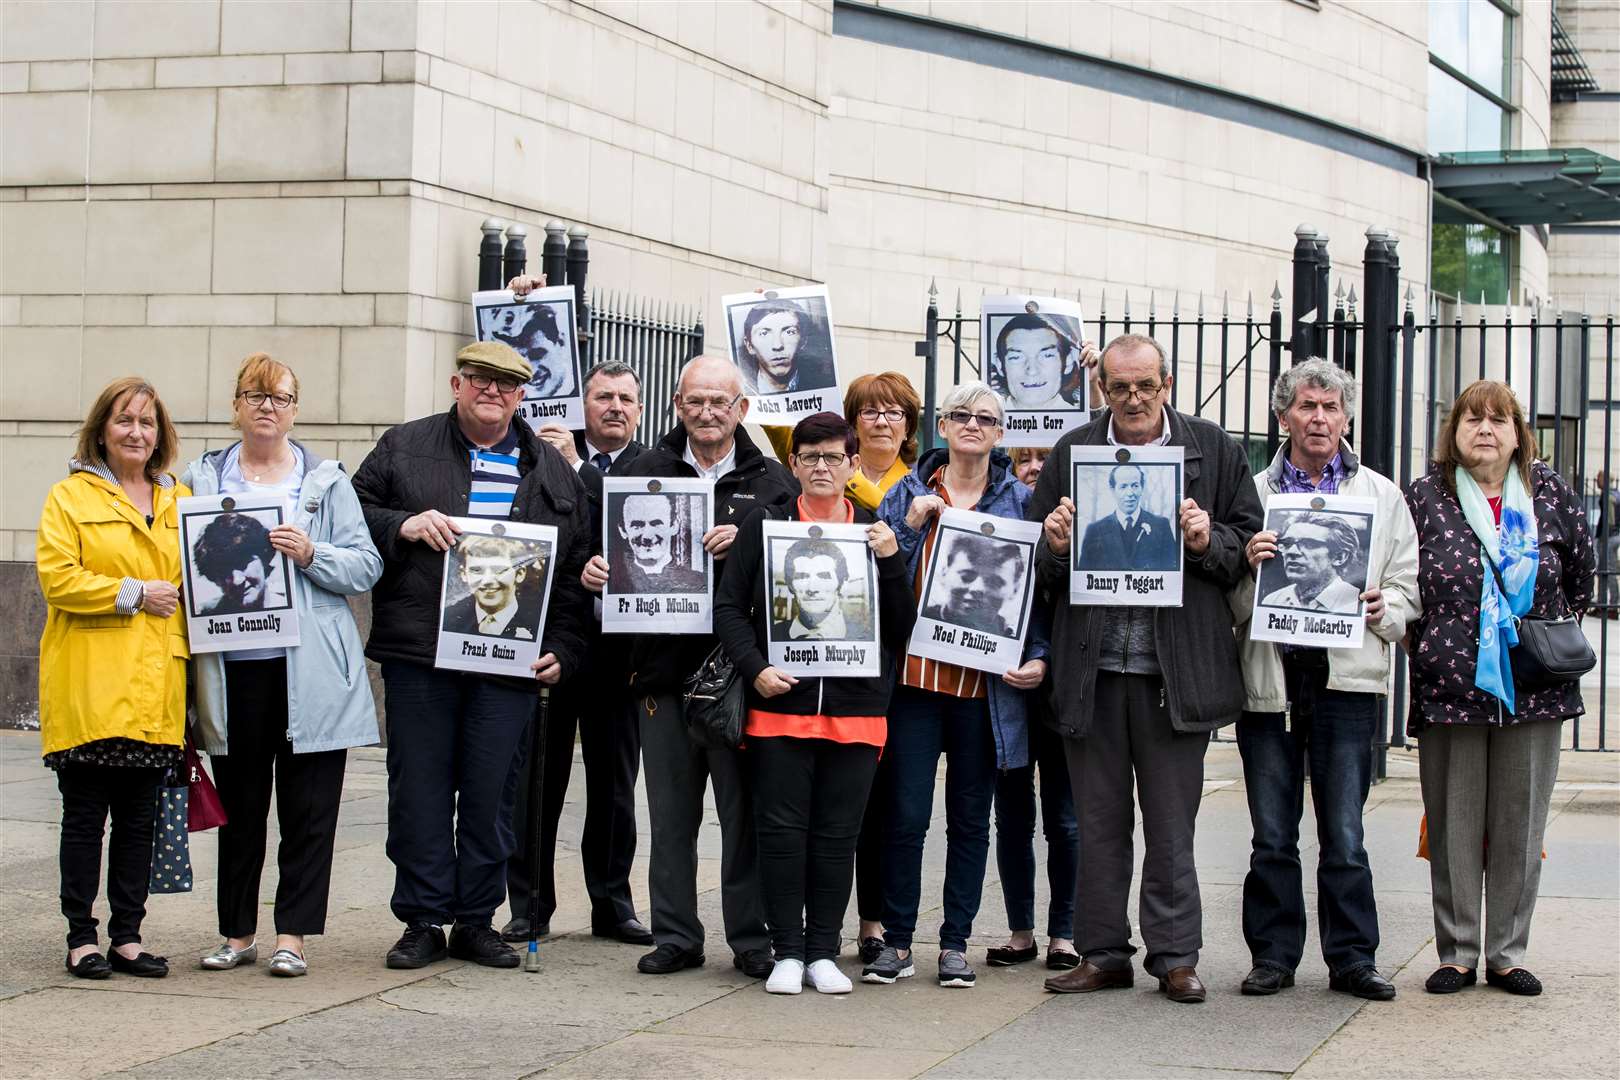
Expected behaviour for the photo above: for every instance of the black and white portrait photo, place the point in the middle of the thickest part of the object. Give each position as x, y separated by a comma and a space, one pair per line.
976, 592
1029, 351
660, 578
823, 589
542, 329
492, 587
492, 599
781, 341
238, 586
1127, 524
1309, 592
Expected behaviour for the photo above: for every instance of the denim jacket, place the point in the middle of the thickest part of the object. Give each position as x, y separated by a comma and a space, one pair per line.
1005, 497
329, 702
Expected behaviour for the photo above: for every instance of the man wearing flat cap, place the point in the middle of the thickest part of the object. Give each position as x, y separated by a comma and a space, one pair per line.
456, 740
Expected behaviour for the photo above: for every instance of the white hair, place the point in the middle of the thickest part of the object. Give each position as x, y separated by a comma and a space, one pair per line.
1317, 372
964, 397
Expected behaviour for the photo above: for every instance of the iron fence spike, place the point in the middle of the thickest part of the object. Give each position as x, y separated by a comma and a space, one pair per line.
1409, 296
1175, 305
933, 288
1151, 299
959, 300
1200, 305
1352, 294
1226, 304
1127, 305
1102, 308
1251, 304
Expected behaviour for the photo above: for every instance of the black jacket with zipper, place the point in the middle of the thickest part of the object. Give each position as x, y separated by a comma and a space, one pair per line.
742, 611
1203, 679
660, 663
424, 465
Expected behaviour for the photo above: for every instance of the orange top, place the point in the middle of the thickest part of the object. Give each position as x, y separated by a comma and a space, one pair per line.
871, 730
938, 675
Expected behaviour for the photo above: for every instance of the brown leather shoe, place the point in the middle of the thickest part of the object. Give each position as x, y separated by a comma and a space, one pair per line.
1088, 977
1182, 984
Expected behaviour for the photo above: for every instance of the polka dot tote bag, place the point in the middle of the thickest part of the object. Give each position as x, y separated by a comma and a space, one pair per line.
171, 848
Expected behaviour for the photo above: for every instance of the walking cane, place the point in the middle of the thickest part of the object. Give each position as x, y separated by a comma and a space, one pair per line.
537, 782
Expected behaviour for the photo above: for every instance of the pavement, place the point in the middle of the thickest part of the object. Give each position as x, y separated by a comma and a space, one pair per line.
589, 1014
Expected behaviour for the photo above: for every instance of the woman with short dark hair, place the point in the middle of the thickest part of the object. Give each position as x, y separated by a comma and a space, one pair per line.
112, 670
812, 743
1501, 537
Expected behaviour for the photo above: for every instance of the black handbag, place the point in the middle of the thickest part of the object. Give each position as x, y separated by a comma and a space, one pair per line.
1550, 651
713, 696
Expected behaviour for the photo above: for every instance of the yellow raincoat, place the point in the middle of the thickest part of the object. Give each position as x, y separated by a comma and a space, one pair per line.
103, 674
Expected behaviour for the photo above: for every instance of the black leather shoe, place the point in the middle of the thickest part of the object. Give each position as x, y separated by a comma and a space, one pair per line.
631, 932
1265, 980
1448, 980
1057, 960
418, 947
517, 930
90, 966
668, 959
144, 966
1363, 982
1007, 956
1518, 981
482, 945
754, 963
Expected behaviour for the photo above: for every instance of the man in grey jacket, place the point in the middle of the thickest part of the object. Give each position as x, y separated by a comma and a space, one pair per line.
1310, 711
1140, 689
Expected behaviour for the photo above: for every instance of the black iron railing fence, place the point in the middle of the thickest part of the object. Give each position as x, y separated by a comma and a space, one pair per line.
1225, 357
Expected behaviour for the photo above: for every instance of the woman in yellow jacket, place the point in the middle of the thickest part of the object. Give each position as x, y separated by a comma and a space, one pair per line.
112, 671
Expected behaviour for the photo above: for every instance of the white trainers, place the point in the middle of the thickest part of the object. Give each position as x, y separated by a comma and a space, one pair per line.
787, 977
827, 979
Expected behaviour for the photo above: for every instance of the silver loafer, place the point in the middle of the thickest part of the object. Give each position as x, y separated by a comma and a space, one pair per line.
287, 963
224, 958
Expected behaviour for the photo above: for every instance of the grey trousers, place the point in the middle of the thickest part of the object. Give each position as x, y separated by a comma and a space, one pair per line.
1131, 738
1486, 785
677, 771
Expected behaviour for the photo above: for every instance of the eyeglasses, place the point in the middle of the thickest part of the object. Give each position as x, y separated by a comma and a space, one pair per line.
1126, 391
257, 398
484, 382
720, 406
964, 418
893, 416
814, 458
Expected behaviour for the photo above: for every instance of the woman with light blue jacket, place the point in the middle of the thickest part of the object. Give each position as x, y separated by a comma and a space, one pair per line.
285, 717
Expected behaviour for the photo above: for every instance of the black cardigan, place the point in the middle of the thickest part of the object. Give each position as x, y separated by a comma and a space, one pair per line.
742, 620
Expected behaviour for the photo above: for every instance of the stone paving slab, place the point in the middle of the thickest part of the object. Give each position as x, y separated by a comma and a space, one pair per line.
588, 1013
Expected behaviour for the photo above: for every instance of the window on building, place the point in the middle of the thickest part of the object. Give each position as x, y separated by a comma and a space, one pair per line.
1470, 261
1470, 53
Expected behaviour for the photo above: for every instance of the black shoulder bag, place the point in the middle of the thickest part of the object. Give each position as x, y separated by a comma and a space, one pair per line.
1550, 651
713, 695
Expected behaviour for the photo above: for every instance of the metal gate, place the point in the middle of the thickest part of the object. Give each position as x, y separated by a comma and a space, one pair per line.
1225, 360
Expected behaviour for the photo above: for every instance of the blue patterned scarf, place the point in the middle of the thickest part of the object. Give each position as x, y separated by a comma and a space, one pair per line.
1515, 550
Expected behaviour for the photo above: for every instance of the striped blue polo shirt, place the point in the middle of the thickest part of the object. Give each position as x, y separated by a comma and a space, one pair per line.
495, 477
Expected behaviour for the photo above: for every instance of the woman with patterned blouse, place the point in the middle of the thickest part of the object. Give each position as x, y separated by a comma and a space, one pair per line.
1489, 748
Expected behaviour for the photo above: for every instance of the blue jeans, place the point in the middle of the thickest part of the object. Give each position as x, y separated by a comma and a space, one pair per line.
456, 744
1015, 835
922, 724
1331, 736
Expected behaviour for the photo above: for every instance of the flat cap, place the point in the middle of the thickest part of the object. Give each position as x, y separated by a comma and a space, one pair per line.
497, 359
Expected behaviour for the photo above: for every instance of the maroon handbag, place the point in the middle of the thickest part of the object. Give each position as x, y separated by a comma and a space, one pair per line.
203, 809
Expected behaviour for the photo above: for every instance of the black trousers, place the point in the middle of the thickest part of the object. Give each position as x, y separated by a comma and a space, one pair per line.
308, 788
809, 799
89, 794
869, 849
610, 744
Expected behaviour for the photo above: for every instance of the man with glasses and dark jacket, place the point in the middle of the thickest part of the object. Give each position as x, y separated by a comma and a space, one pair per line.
1137, 690
456, 740
709, 444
